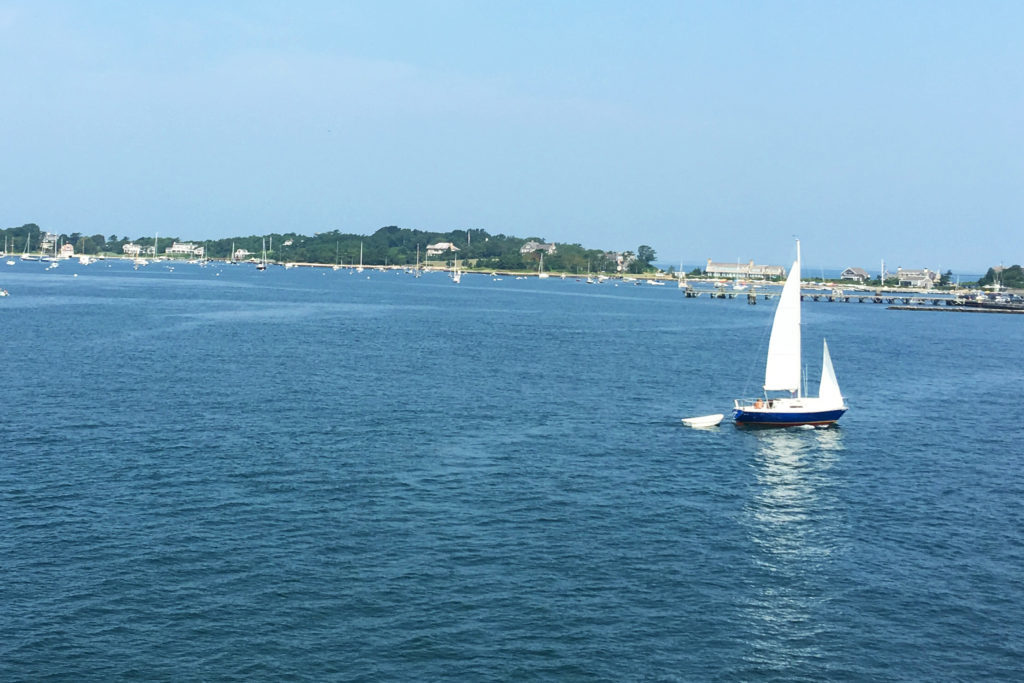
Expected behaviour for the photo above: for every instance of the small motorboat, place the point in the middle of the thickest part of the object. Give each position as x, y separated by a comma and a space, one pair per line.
704, 421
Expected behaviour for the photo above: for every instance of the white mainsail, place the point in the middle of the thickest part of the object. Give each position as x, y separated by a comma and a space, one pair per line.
828, 388
782, 371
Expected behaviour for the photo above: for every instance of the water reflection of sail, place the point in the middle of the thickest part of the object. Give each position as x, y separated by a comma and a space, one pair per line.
783, 495
792, 471
794, 530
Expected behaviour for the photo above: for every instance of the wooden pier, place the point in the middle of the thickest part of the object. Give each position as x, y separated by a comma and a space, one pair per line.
880, 298
916, 299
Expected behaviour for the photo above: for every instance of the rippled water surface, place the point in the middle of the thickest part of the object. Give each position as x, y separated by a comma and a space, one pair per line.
215, 473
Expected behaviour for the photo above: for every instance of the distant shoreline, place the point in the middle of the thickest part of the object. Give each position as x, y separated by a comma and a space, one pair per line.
664, 277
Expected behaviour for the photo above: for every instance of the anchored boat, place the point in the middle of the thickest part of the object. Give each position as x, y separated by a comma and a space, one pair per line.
783, 404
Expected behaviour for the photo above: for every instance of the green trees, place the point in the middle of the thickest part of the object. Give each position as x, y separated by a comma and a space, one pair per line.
18, 237
1012, 277
641, 261
645, 255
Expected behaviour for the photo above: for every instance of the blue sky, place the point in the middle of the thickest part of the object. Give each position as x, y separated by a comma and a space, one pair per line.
706, 130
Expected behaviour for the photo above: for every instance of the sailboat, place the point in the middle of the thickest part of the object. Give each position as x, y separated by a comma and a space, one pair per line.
262, 265
540, 269
53, 260
782, 373
456, 273
27, 256
360, 268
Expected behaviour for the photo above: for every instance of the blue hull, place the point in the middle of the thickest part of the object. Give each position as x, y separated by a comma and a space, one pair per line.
764, 419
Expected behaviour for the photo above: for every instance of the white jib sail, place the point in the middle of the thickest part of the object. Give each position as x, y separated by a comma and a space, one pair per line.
782, 371
828, 388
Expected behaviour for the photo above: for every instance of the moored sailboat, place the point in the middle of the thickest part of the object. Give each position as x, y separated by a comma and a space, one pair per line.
262, 265
783, 375
540, 269
27, 256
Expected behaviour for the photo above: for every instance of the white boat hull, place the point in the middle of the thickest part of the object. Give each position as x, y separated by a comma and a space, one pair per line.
704, 421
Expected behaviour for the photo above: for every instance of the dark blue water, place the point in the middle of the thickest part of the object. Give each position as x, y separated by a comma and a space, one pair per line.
214, 473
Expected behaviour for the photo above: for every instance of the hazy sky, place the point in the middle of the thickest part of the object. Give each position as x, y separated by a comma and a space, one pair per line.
887, 130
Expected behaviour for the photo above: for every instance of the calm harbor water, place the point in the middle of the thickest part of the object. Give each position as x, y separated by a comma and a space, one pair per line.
215, 473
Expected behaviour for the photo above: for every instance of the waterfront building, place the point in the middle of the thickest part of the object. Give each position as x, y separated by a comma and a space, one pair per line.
184, 248
855, 274
534, 246
46, 242
440, 248
921, 278
749, 270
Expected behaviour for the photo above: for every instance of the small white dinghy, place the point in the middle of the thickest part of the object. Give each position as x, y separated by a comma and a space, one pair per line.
704, 421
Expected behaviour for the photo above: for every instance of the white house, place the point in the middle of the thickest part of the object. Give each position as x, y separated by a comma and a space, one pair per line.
853, 273
534, 246
67, 251
185, 248
922, 278
46, 241
440, 248
131, 249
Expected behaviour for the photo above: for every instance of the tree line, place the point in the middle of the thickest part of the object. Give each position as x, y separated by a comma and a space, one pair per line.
1012, 277
390, 245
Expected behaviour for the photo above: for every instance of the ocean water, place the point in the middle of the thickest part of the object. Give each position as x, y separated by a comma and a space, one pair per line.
220, 474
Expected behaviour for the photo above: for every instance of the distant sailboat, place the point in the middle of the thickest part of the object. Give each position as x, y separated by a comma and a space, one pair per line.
360, 268
782, 373
26, 256
456, 273
262, 265
540, 270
